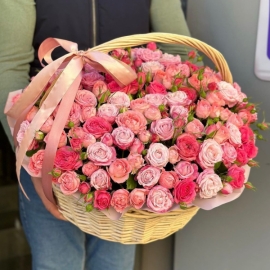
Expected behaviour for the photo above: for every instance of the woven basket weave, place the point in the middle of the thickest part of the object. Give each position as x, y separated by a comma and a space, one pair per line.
137, 226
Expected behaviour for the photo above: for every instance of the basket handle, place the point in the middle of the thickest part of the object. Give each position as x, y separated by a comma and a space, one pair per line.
140, 39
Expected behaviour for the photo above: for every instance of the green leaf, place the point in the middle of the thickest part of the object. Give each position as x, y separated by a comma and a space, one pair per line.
89, 207
131, 183
220, 168
217, 165
183, 206
30, 153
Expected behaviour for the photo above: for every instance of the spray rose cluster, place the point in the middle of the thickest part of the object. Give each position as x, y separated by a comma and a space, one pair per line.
176, 133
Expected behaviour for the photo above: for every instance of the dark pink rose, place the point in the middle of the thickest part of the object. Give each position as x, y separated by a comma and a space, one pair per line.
184, 191
190, 92
251, 149
76, 144
238, 176
120, 200
156, 88
246, 134
97, 126
113, 86
102, 199
89, 79
188, 147
84, 187
151, 46
107, 139
242, 157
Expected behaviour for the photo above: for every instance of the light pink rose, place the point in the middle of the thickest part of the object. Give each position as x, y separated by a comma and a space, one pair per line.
89, 79
238, 176
132, 120
67, 159
136, 147
155, 99
178, 98
136, 161
87, 112
86, 98
23, 128
139, 105
227, 189
119, 99
225, 114
203, 108
36, 162
69, 182
186, 170
215, 97
229, 94
138, 197
174, 155
107, 139
88, 168
168, 179
47, 126
152, 67
120, 200
74, 114
88, 139
152, 113
108, 112
148, 176
99, 88
157, 155
179, 112
209, 184
246, 116
184, 191
159, 75
235, 134
119, 170
195, 127
168, 59
123, 137
101, 154
100, 180
210, 153
84, 187
148, 55
160, 199
97, 126
31, 114
163, 128
215, 111
76, 132
236, 120
102, 199
194, 81
156, 88
188, 147
222, 134
229, 152
144, 136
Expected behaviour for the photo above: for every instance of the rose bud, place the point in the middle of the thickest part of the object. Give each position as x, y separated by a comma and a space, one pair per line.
227, 189
84, 187
39, 136
151, 46
88, 198
253, 163
191, 54
138, 62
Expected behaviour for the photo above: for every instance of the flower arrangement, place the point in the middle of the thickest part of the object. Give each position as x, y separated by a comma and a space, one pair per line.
176, 134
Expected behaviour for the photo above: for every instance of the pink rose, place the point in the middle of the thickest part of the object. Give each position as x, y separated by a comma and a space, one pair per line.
74, 115
251, 149
144, 136
108, 112
174, 155
229, 94
123, 137
148, 55
227, 189
238, 176
119, 99
215, 97
148, 176
169, 59
76, 132
131, 88
152, 67
119, 170
195, 127
151, 46
178, 98
225, 114
88, 139
163, 128
152, 113
246, 134
210, 153
236, 120
36, 161
76, 144
89, 79
62, 140
136, 147
31, 114
157, 155
136, 161
139, 105
101, 154
188, 147
138, 197
132, 120
222, 135
160, 199
113, 86
242, 157
47, 126
184, 191
168, 179
215, 111
84, 187
235, 135
100, 180
99, 88
97, 126
120, 200
88, 168
23, 128
102, 199
185, 170
156, 88
159, 75
69, 182
67, 159
229, 152
194, 81
190, 92
107, 139
246, 116
86, 98
203, 108
87, 112
177, 112
209, 184
155, 99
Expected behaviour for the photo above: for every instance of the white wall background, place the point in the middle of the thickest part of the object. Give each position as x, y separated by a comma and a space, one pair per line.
235, 236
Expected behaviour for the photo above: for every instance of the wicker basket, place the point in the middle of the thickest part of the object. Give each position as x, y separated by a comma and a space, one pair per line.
137, 226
